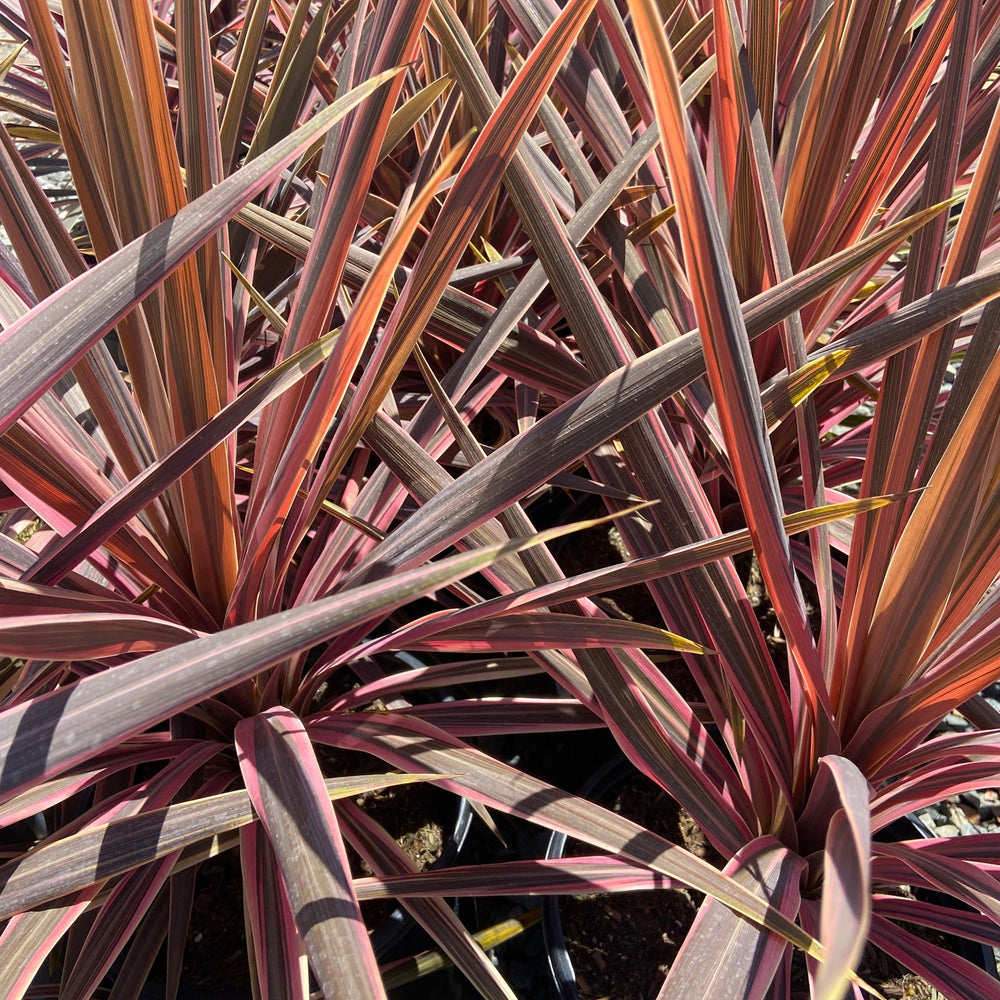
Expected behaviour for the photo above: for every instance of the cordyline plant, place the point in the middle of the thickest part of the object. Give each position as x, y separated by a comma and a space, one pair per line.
350, 285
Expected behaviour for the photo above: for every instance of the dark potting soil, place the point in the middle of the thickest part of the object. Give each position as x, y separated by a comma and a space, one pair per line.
623, 944
215, 951
419, 817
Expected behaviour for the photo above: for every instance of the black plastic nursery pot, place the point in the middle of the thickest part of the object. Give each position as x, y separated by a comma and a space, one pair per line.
618, 771
608, 776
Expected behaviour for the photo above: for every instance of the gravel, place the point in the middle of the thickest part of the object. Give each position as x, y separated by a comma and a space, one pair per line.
969, 813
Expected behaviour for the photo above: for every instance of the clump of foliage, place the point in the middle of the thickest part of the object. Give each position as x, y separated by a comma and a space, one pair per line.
348, 288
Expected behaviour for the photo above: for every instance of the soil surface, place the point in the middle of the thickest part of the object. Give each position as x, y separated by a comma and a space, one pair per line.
622, 945
215, 952
419, 817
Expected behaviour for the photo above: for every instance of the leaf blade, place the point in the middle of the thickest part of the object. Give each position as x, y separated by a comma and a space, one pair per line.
286, 787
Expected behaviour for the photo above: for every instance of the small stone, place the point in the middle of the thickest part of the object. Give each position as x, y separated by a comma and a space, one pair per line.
989, 802
929, 817
955, 723
955, 816
947, 830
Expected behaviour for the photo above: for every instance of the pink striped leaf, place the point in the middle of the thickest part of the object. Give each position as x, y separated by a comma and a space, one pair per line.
87, 636
955, 876
778, 302
390, 39
934, 783
559, 876
725, 956
28, 939
49, 734
437, 676
112, 928
659, 732
143, 950
950, 919
892, 870
493, 716
287, 790
901, 720
845, 910
46, 794
947, 746
41, 347
116, 846
527, 631
277, 959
